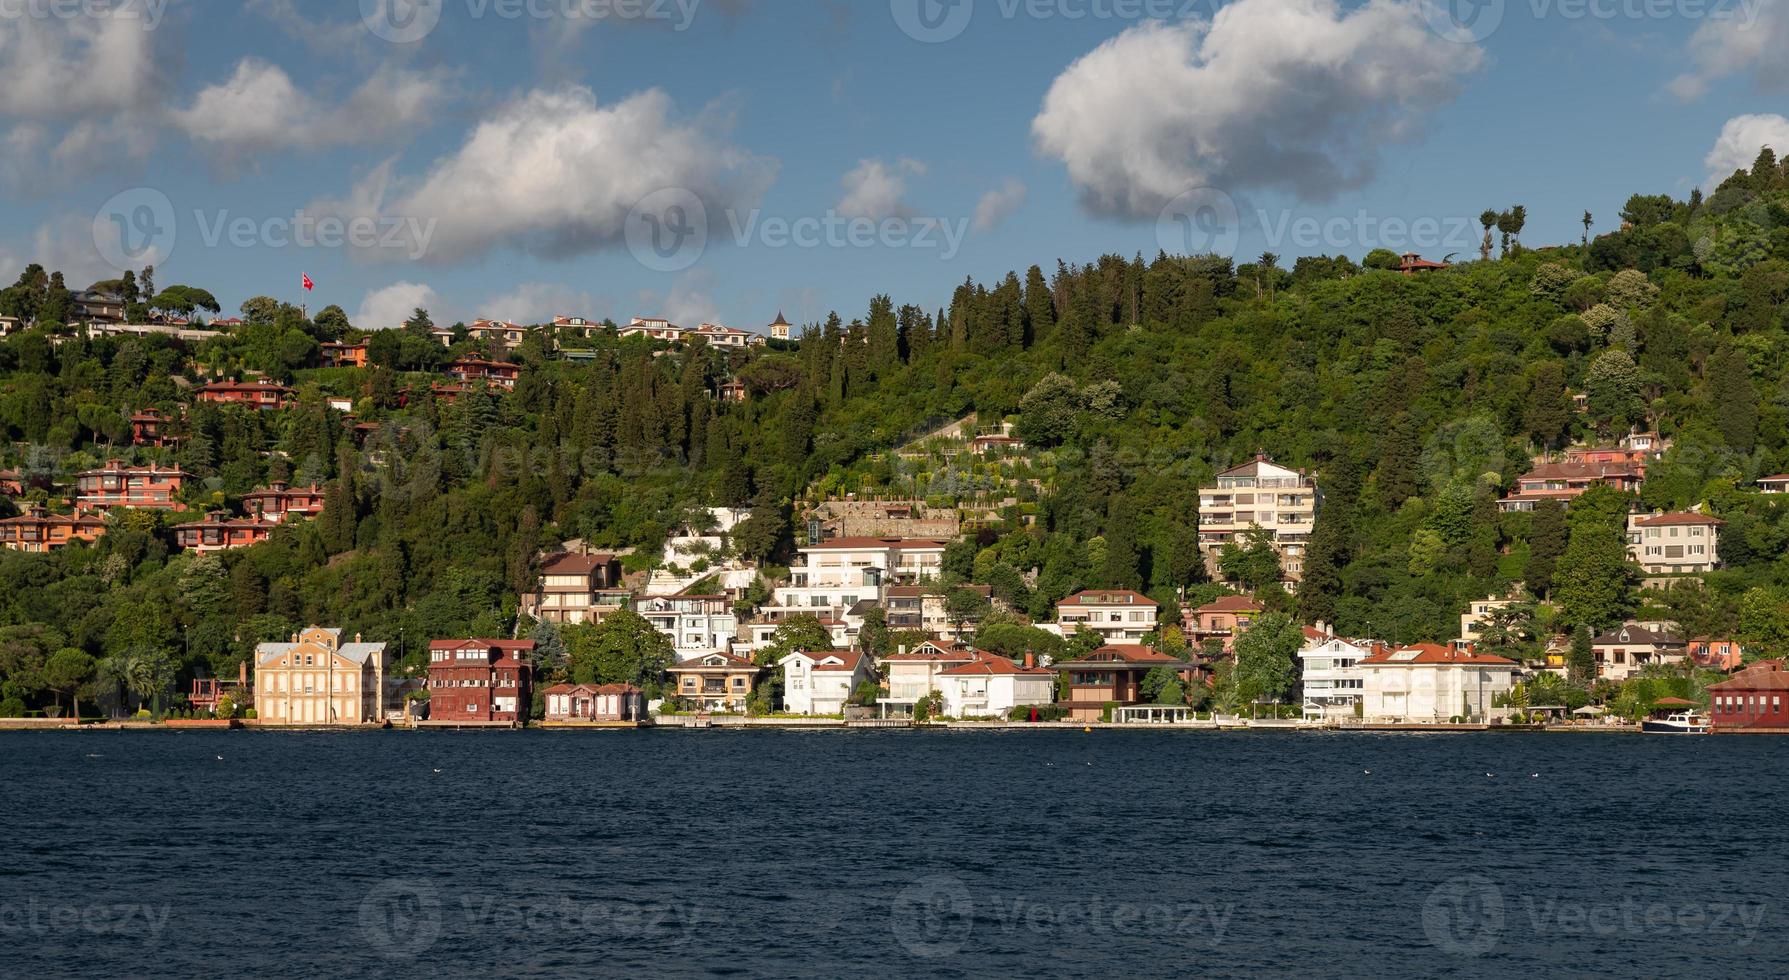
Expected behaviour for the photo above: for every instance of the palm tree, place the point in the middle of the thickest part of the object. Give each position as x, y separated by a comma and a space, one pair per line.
1488, 219
1587, 222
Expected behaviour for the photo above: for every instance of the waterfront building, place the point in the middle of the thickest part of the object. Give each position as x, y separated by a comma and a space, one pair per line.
715, 682
316, 679
1117, 615
1432, 683
1754, 698
991, 686
566, 703
481, 681
1333, 687
695, 624
1221, 620
1113, 676
1623, 652
822, 683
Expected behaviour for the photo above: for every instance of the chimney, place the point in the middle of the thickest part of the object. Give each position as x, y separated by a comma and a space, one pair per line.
242, 674
1030, 660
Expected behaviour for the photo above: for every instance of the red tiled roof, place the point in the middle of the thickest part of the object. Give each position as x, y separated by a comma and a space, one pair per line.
847, 661
992, 665
1130, 653
1765, 675
1432, 655
729, 662
934, 651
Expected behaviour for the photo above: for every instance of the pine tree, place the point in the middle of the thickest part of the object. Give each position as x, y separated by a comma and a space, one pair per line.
1546, 542
1549, 413
1040, 312
884, 336
1400, 457
1735, 398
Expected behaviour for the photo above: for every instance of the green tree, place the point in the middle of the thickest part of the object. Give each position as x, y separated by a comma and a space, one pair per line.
1593, 582
1613, 387
1265, 659
622, 649
66, 672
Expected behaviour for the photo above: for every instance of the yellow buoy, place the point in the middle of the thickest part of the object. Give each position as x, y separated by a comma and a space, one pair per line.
1088, 730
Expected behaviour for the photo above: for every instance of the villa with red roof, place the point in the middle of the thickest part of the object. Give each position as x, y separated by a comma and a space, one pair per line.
277, 503
1117, 615
991, 686
119, 484
38, 532
1774, 484
574, 704
913, 674
1567, 481
1223, 620
220, 532
822, 683
1432, 683
255, 394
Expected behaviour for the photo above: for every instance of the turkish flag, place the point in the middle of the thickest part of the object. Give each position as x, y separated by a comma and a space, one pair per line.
308, 284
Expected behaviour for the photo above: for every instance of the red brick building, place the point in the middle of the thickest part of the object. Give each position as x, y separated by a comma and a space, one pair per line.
277, 503
255, 394
480, 681
1113, 675
118, 484
1756, 698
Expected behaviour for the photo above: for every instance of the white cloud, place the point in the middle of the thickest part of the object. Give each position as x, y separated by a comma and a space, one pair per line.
999, 204
79, 88
1299, 94
385, 308
1750, 38
687, 303
540, 302
1740, 140
259, 108
556, 174
873, 189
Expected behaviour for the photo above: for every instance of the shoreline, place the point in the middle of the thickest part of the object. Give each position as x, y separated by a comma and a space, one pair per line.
796, 724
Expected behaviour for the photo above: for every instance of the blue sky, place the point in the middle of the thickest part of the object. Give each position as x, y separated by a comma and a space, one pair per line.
502, 164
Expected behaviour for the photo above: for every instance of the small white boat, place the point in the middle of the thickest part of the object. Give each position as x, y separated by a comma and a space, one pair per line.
1681, 723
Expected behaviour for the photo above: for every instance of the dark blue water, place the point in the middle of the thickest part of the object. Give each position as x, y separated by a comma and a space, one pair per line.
833, 854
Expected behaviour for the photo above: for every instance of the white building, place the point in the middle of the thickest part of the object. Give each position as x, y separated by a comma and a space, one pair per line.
1674, 544
1117, 615
1333, 687
696, 624
991, 686
821, 683
1431, 683
1260, 494
779, 328
914, 674
836, 575
724, 337
653, 327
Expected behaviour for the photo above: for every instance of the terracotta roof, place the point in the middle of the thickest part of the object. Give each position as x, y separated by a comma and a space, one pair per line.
570, 564
934, 651
1763, 676
993, 665
1581, 471
1663, 520
1130, 653
847, 662
1432, 655
1781, 478
1108, 597
728, 662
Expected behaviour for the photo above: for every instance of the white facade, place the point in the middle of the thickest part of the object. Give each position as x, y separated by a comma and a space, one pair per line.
697, 625
1333, 686
1674, 544
992, 686
821, 683
1260, 494
836, 575
1117, 615
1432, 684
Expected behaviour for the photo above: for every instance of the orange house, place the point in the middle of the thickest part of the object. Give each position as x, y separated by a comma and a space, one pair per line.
1224, 619
218, 532
276, 503
344, 355
255, 394
118, 484
40, 533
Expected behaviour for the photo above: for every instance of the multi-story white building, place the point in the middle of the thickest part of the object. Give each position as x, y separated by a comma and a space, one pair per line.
779, 328
1260, 494
655, 328
1432, 683
1674, 544
914, 674
697, 624
821, 683
834, 576
1117, 615
1333, 687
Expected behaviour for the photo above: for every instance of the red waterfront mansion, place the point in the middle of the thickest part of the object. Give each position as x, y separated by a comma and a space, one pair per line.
478, 682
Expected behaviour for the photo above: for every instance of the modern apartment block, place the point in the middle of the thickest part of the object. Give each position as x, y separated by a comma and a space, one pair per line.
1117, 615
1674, 544
1260, 494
